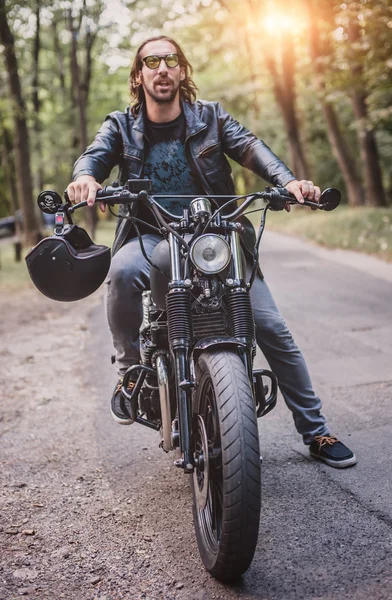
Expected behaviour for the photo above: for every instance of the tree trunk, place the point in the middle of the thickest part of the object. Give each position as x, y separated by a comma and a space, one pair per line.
8, 165
283, 84
79, 101
298, 159
78, 95
252, 59
366, 138
59, 55
36, 102
285, 98
284, 91
340, 149
339, 146
369, 153
22, 151
90, 39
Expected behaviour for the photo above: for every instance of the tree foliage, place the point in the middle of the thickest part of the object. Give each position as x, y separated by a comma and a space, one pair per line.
253, 56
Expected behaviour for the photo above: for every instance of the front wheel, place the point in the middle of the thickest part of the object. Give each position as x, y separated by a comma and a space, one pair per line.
226, 481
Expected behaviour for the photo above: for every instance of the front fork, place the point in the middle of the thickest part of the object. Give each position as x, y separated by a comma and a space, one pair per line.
238, 286
184, 403
180, 339
178, 308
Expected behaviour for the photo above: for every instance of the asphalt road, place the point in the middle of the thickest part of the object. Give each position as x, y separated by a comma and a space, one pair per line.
324, 533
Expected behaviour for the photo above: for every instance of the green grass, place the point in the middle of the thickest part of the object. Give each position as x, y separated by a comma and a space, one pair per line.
15, 277
105, 232
366, 230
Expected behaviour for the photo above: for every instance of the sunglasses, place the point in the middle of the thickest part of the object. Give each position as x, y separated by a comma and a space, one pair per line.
153, 61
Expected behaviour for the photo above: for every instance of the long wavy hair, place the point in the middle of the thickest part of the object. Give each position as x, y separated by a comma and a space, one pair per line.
188, 88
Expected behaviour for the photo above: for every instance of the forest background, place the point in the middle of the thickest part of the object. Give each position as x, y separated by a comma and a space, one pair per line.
312, 78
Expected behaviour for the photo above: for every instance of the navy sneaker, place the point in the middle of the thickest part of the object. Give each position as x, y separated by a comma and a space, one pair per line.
117, 412
334, 453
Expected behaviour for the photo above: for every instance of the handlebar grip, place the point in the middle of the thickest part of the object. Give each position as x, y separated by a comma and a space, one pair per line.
285, 192
115, 195
278, 197
108, 190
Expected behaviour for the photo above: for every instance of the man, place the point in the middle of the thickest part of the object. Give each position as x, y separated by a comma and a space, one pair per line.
180, 144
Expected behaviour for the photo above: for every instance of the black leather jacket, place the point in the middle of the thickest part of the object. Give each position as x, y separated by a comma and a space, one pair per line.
211, 133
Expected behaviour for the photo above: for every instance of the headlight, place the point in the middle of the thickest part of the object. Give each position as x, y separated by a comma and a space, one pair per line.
210, 254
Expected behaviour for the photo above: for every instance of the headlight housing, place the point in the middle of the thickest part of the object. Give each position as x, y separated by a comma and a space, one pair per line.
210, 254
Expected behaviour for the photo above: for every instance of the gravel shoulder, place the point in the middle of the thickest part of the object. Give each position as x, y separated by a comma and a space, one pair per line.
88, 510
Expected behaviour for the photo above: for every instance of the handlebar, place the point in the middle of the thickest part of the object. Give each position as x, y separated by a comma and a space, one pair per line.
111, 195
277, 198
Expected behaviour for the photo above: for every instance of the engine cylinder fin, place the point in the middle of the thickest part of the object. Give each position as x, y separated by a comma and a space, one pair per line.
208, 324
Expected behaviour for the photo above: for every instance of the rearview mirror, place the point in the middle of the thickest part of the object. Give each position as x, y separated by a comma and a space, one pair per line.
330, 199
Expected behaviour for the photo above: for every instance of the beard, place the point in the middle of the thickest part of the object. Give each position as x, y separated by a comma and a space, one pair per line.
163, 98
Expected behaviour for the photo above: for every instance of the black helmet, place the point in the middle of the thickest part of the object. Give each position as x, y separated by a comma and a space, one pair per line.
69, 266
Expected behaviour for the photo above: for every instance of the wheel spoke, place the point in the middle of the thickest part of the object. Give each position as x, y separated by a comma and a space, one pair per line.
211, 514
216, 510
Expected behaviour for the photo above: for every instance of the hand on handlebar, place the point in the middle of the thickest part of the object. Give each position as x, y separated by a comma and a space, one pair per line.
85, 188
303, 189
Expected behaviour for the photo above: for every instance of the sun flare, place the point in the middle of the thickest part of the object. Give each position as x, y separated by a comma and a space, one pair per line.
278, 21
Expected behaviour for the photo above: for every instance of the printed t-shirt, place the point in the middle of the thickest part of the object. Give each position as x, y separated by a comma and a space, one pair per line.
167, 166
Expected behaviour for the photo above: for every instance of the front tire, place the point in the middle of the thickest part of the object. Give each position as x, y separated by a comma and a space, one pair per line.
226, 482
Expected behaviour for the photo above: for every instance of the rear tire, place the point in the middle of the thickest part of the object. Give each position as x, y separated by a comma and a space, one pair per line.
226, 483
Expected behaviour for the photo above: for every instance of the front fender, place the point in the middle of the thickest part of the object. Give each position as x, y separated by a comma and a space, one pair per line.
215, 342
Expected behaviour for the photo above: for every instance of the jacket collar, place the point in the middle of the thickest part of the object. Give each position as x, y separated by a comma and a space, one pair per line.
139, 124
193, 123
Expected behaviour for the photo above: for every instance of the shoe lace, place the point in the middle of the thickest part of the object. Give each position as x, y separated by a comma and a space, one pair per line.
131, 385
323, 440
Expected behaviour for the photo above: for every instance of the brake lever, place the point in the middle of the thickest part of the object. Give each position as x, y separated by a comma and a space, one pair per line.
312, 204
307, 203
71, 208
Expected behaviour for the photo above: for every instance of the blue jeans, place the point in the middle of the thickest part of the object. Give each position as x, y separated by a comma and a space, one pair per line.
129, 276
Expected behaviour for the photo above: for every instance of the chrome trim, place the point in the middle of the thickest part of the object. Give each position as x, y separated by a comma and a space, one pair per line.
164, 398
236, 253
146, 303
175, 259
200, 206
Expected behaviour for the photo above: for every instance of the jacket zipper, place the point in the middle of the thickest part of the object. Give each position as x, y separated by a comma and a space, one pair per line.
130, 156
208, 149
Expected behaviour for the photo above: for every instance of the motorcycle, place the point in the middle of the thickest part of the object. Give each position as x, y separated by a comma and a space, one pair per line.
195, 382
